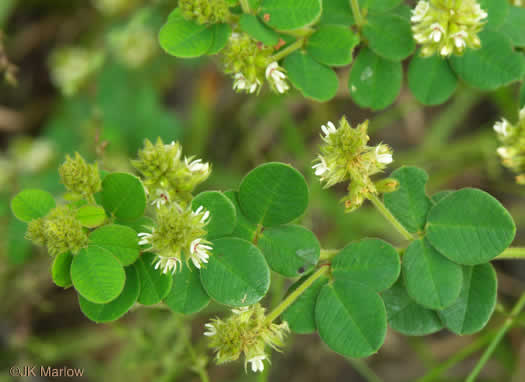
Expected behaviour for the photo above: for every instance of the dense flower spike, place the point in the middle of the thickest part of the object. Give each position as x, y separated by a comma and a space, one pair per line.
206, 11
246, 332
59, 231
178, 235
80, 178
247, 61
447, 27
512, 151
72, 68
345, 156
168, 177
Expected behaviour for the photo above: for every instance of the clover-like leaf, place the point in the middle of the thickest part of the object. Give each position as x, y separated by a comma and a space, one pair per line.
290, 250
273, 193
120, 240
332, 45
496, 10
431, 279
371, 262
337, 12
472, 310
256, 29
237, 273
313, 79
300, 316
374, 82
187, 296
97, 275
244, 228
61, 270
183, 38
406, 316
116, 308
32, 204
123, 196
290, 14
154, 285
470, 227
351, 318
91, 216
221, 34
514, 26
431, 79
223, 217
409, 203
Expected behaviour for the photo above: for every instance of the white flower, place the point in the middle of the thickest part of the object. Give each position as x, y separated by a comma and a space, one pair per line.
241, 310
196, 165
161, 199
459, 39
445, 51
321, 167
241, 83
257, 363
205, 215
276, 76
199, 252
383, 154
328, 129
480, 13
211, 330
168, 264
420, 11
502, 127
145, 238
504, 152
437, 32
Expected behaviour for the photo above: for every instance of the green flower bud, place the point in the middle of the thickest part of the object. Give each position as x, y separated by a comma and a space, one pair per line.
60, 231
80, 178
447, 27
387, 185
135, 43
512, 151
73, 67
247, 333
247, 61
206, 11
178, 235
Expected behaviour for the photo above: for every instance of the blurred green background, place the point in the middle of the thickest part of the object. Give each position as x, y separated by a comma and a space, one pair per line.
139, 92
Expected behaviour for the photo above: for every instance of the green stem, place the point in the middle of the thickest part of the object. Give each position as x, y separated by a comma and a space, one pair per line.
295, 294
289, 49
497, 339
512, 253
358, 17
245, 5
388, 216
362, 368
327, 254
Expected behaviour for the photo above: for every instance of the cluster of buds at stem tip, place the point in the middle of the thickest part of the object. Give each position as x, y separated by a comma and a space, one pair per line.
250, 63
82, 180
178, 236
345, 156
206, 11
512, 149
167, 176
447, 27
246, 332
59, 231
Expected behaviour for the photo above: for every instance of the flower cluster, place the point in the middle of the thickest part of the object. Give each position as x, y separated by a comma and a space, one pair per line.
250, 63
72, 67
447, 26
245, 332
512, 151
168, 177
135, 43
80, 178
178, 235
60, 231
206, 11
345, 156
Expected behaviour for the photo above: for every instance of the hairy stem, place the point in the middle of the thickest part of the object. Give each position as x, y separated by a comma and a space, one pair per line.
497, 339
289, 49
388, 216
358, 17
245, 5
295, 294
